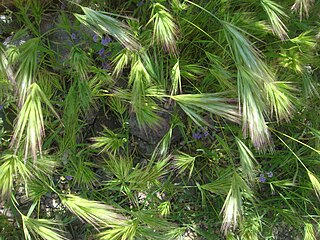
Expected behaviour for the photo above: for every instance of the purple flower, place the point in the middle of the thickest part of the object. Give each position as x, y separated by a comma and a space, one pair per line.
105, 41
1, 107
63, 6
106, 66
105, 54
206, 134
95, 38
73, 36
101, 52
69, 178
262, 178
197, 135
270, 174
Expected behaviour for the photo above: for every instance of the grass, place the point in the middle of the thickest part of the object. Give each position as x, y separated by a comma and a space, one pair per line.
160, 119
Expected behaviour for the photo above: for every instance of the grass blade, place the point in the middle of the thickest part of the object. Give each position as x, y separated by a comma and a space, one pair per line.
101, 23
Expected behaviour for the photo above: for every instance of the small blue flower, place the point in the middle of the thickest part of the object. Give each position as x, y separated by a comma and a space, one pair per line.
105, 41
270, 174
262, 178
73, 36
104, 54
197, 135
1, 107
63, 6
206, 134
106, 66
69, 178
95, 38
139, 4
101, 52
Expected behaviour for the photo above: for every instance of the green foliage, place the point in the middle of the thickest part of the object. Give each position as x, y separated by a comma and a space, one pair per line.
129, 120
212, 103
232, 207
164, 30
40, 229
93, 212
275, 14
11, 166
102, 23
109, 141
247, 161
30, 124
